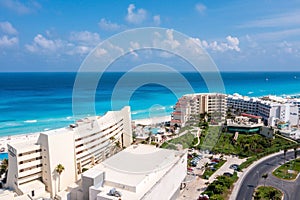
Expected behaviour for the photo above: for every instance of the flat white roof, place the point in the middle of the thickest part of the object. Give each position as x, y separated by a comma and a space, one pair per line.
132, 165
135, 165
141, 159
36, 184
22, 145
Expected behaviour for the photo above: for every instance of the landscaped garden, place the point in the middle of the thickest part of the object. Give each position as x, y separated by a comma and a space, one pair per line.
220, 188
266, 193
248, 144
289, 170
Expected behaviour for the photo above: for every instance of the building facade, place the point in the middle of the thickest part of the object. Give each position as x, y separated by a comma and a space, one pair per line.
272, 109
78, 147
213, 104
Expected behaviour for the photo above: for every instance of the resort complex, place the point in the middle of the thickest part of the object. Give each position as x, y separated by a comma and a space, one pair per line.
111, 157
271, 109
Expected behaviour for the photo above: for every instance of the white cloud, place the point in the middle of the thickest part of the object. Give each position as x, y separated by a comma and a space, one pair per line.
19, 7
78, 43
85, 38
232, 43
7, 28
5, 41
100, 52
108, 25
156, 20
201, 8
43, 45
135, 16
288, 48
79, 49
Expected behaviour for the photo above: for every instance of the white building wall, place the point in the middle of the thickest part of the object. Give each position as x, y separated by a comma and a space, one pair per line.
58, 148
169, 183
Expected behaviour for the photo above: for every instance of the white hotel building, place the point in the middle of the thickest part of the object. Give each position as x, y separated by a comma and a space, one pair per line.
271, 108
80, 146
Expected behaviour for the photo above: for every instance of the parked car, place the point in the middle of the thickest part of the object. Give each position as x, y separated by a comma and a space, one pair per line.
212, 163
228, 174
234, 166
215, 160
190, 169
194, 164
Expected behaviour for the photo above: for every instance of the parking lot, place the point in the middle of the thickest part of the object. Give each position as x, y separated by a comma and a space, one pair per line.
197, 185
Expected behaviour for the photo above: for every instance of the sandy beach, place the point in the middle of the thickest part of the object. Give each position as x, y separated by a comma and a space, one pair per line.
31, 136
15, 139
154, 120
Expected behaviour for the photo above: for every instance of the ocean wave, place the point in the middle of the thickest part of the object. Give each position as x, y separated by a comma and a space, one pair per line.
10, 124
30, 121
250, 92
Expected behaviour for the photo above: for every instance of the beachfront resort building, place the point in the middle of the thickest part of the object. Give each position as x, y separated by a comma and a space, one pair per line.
272, 109
33, 165
189, 105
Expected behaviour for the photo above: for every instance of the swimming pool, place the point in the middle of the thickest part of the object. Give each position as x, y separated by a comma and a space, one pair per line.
3, 155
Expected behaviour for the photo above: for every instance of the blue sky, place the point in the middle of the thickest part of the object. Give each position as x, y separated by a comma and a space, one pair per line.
258, 35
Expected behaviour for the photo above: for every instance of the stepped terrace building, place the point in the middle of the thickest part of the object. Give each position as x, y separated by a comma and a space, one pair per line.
199, 103
32, 165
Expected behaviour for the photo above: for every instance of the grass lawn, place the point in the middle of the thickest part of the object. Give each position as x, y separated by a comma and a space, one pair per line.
266, 193
209, 138
282, 171
208, 172
186, 140
248, 144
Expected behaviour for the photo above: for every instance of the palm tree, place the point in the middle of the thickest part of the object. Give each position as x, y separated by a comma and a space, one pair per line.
59, 169
265, 176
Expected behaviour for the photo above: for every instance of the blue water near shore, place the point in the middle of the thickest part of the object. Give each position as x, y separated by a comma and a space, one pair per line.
33, 102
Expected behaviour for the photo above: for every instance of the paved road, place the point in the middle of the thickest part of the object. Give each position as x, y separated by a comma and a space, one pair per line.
291, 189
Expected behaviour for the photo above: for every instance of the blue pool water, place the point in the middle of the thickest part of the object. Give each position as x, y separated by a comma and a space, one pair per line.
3, 156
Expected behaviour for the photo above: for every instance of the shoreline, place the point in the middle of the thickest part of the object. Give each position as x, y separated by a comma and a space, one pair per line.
4, 140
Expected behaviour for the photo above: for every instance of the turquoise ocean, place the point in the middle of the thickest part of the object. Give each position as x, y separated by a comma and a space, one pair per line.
33, 102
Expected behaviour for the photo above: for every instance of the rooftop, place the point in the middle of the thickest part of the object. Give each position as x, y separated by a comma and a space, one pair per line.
136, 166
